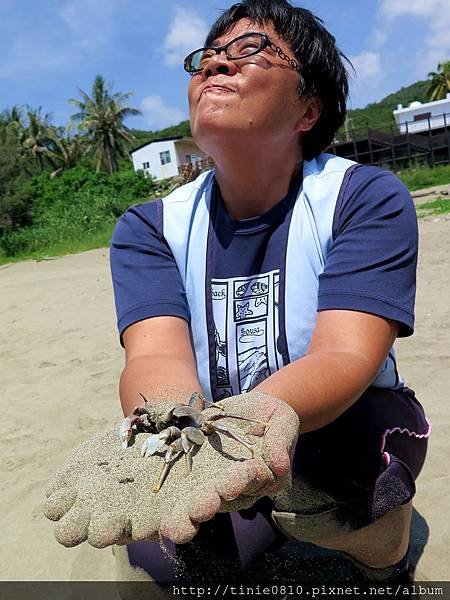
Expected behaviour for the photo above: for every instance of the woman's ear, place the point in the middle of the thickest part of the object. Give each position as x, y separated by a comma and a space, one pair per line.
311, 110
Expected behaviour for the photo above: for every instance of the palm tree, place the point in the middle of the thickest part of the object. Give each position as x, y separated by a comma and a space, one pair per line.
26, 131
11, 123
36, 135
64, 148
12, 115
440, 82
101, 116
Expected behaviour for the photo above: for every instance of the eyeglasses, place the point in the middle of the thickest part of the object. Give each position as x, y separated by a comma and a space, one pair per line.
241, 47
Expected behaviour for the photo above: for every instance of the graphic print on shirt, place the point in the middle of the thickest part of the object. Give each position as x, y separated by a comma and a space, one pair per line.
245, 314
276, 317
220, 306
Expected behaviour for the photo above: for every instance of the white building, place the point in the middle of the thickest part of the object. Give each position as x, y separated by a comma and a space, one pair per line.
420, 116
163, 157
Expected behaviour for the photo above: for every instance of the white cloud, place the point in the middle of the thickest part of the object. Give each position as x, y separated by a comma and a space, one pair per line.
367, 65
379, 36
396, 8
158, 115
367, 77
30, 55
90, 21
435, 47
27, 59
187, 32
60, 38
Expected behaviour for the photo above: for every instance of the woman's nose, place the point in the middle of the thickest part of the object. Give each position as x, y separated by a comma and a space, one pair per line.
220, 63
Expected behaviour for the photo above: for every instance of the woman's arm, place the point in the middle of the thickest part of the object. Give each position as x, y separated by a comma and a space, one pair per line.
346, 351
365, 299
159, 363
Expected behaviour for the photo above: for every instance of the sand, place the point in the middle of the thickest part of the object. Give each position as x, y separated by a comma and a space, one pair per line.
61, 362
431, 193
107, 494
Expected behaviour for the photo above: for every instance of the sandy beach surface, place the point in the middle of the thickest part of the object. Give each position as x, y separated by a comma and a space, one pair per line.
60, 364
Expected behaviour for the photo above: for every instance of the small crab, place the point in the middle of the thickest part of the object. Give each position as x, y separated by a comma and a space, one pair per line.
181, 429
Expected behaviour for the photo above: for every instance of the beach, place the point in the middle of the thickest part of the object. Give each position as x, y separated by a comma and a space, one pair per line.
60, 366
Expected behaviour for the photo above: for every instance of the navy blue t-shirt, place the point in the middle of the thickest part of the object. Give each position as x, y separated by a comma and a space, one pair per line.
370, 266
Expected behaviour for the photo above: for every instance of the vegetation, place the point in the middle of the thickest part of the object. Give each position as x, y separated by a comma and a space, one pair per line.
74, 211
65, 149
439, 206
144, 137
418, 178
51, 200
378, 115
62, 189
440, 82
101, 117
50, 197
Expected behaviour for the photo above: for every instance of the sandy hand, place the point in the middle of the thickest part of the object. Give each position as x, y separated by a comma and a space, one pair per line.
240, 483
103, 492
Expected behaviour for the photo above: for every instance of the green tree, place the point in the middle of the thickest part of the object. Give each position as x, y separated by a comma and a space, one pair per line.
14, 172
13, 115
100, 117
35, 140
440, 82
64, 148
12, 139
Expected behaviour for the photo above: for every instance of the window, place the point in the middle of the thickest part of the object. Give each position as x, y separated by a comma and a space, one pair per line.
165, 157
193, 159
422, 116
146, 165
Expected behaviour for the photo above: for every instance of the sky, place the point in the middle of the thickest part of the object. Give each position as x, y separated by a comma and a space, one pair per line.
50, 48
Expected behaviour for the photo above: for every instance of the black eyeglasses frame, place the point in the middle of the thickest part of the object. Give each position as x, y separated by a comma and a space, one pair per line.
267, 42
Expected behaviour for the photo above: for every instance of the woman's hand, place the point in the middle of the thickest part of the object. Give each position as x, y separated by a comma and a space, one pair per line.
241, 483
103, 492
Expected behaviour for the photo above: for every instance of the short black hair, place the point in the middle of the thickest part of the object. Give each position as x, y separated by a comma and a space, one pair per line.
323, 74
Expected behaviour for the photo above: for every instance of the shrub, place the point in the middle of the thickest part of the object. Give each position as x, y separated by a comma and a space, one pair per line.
72, 207
420, 177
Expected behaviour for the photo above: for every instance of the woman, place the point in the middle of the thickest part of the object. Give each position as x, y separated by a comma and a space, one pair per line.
285, 271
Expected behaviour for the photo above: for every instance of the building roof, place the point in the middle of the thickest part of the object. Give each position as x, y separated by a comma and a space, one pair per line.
167, 139
415, 105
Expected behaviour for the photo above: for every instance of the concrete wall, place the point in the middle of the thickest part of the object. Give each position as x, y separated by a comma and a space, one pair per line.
180, 152
151, 154
185, 148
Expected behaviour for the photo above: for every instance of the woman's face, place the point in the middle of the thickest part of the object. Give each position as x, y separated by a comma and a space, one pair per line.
251, 100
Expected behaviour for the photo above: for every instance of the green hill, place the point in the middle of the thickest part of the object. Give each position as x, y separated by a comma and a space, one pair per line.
143, 137
378, 115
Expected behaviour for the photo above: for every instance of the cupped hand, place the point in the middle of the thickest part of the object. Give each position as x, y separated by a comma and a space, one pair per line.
103, 492
242, 482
